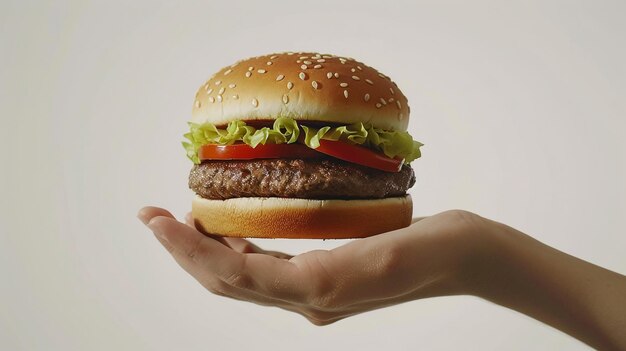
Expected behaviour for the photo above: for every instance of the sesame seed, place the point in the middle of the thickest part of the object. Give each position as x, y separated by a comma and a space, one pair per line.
369, 82
378, 105
400, 115
248, 74
336, 75
197, 103
307, 62
273, 57
227, 72
359, 68
211, 99
298, 61
343, 62
381, 75
250, 68
289, 85
285, 99
315, 85
279, 77
356, 78
218, 82
398, 104
390, 99
366, 97
219, 98
391, 90
261, 71
302, 75
303, 57
232, 85
221, 91
316, 56
321, 60
255, 102
304, 67
317, 66
269, 63
326, 56
235, 96
343, 85
209, 91
345, 93
352, 70
383, 101
329, 75
290, 53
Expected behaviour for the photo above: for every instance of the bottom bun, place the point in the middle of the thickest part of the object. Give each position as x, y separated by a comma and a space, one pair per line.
274, 217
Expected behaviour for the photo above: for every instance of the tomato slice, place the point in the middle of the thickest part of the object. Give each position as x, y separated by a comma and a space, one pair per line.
338, 149
359, 155
246, 152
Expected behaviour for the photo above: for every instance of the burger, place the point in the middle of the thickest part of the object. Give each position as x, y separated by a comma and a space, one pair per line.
300, 145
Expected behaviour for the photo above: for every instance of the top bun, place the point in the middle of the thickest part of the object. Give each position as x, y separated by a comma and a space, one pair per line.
304, 86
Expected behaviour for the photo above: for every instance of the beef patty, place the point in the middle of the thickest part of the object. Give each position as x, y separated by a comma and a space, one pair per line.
325, 178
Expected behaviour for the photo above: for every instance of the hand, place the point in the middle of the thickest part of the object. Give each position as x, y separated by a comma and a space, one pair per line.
454, 252
429, 258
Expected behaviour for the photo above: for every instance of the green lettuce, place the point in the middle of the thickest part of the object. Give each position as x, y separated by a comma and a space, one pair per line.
287, 130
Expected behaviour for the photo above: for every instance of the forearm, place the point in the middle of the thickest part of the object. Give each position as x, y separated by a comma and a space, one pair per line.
577, 297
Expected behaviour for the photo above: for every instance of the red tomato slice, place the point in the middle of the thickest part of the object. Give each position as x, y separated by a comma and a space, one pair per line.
359, 155
338, 149
246, 152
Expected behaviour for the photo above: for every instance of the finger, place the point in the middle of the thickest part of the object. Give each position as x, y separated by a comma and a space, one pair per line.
189, 220
149, 212
245, 246
227, 291
416, 219
189, 245
239, 244
278, 278
324, 321
213, 263
247, 296
278, 254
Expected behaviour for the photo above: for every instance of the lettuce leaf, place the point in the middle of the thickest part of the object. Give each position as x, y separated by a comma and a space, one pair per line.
287, 130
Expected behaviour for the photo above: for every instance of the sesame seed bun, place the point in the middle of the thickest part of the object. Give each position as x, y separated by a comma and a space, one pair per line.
305, 87
273, 217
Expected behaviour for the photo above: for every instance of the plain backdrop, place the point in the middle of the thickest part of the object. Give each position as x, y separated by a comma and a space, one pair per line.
521, 106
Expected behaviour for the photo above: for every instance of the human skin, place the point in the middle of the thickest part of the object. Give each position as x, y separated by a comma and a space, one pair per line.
452, 253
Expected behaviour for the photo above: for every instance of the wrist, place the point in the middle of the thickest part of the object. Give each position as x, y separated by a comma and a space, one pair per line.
484, 259
462, 254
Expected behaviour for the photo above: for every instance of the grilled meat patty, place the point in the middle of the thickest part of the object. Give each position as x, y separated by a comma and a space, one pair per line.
325, 178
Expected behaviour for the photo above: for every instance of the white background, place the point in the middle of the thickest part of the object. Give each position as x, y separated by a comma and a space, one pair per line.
521, 105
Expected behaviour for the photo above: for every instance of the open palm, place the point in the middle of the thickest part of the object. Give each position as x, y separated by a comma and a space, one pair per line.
422, 260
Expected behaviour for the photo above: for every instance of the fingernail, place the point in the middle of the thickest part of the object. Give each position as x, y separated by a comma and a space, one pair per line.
142, 217
156, 229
